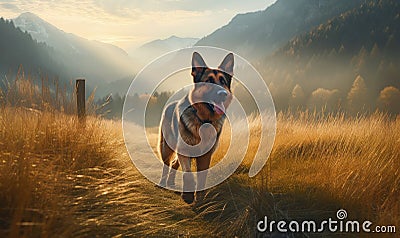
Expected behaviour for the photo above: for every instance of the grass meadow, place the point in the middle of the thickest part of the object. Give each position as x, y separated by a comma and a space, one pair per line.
61, 179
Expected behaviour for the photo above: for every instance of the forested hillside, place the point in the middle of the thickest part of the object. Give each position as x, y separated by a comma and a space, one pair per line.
352, 55
18, 48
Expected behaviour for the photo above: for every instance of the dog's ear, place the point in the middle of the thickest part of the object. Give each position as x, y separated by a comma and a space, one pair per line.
227, 64
198, 66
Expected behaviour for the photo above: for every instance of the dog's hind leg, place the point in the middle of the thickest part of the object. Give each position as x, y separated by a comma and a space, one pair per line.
166, 155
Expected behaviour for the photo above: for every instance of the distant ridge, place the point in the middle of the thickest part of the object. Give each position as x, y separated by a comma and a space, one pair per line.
258, 34
156, 48
96, 61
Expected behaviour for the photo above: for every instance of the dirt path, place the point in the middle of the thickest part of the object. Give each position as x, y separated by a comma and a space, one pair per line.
122, 202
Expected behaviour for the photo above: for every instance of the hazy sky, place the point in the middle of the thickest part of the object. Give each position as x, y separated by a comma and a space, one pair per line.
129, 23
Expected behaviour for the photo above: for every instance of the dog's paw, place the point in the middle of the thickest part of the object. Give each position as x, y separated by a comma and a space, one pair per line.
188, 197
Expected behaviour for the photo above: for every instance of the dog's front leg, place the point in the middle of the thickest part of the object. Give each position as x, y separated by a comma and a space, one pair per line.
188, 179
172, 173
202, 164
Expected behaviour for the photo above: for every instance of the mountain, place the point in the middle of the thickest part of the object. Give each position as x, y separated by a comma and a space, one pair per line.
361, 43
18, 48
257, 34
151, 50
96, 61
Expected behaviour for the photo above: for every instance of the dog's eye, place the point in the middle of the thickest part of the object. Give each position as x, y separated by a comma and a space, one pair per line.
210, 80
222, 80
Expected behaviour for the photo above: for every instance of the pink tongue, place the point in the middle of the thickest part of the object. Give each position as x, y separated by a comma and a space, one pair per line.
219, 108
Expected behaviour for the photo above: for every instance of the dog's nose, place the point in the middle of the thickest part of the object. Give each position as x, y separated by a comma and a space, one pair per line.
222, 94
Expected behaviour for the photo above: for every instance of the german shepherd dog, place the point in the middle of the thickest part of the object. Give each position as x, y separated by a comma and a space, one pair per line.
205, 104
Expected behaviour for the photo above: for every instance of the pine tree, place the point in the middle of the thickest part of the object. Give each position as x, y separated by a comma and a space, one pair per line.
298, 97
357, 98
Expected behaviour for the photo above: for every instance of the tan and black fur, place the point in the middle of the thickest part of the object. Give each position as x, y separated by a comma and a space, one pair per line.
192, 117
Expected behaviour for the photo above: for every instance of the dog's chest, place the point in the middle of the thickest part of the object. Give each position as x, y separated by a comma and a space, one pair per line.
190, 129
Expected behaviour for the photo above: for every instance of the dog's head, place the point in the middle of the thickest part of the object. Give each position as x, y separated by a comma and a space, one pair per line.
211, 94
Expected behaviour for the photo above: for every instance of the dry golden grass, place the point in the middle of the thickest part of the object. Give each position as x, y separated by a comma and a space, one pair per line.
41, 155
353, 161
58, 178
318, 165
61, 179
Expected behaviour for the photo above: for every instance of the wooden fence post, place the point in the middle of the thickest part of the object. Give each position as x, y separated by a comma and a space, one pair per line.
81, 99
